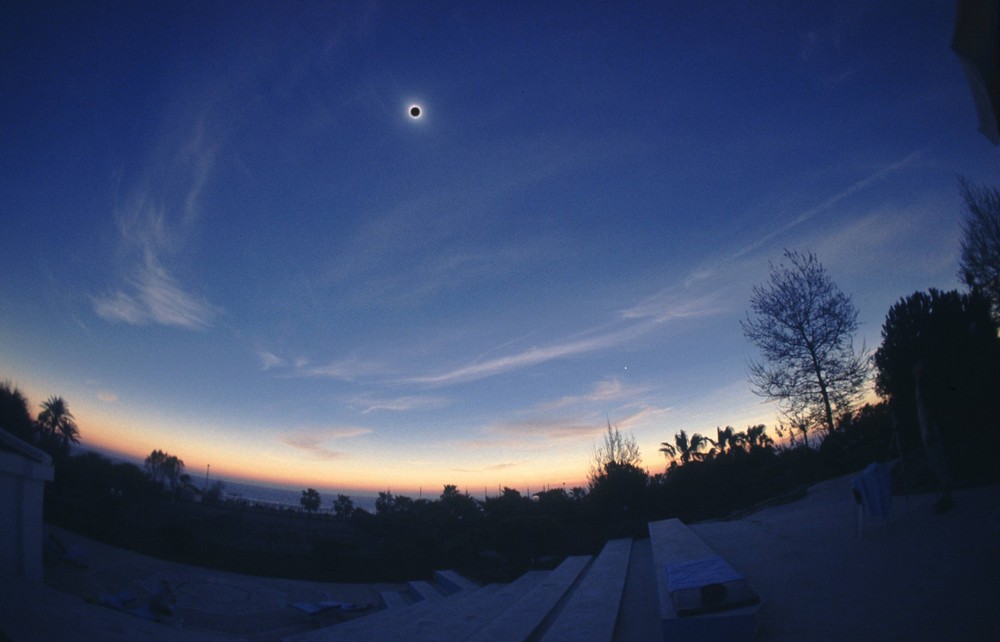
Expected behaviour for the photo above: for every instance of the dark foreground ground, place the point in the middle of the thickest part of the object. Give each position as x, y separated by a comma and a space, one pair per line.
918, 576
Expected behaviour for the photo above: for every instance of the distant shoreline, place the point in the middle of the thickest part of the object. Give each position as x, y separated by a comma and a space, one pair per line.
288, 497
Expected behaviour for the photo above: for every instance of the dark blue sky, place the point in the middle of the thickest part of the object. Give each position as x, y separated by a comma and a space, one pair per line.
224, 237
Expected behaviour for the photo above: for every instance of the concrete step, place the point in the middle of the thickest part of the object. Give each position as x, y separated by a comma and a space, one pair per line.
450, 582
393, 599
579, 600
425, 590
591, 611
523, 617
429, 619
639, 615
461, 616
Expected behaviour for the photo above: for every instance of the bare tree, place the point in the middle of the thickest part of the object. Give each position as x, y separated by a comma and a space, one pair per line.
618, 485
616, 451
803, 326
980, 262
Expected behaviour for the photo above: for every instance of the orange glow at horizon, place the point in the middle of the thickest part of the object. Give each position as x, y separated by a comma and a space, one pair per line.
256, 462
261, 456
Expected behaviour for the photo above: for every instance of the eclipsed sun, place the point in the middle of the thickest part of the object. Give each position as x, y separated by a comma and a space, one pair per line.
415, 111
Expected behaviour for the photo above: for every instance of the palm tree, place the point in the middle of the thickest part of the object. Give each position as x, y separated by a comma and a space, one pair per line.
726, 439
757, 438
58, 425
684, 449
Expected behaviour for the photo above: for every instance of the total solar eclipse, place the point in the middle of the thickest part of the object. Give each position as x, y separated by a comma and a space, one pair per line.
415, 111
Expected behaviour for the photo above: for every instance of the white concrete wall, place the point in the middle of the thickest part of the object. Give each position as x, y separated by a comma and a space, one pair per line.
22, 488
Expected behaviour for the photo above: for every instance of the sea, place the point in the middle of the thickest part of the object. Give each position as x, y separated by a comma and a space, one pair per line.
279, 497
289, 497
276, 496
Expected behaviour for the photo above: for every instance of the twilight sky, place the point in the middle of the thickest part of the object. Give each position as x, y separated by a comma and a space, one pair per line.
223, 235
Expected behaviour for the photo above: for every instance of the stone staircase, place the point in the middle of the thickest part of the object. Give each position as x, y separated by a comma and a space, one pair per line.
581, 599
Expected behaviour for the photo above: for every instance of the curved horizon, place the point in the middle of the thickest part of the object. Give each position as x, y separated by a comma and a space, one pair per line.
226, 238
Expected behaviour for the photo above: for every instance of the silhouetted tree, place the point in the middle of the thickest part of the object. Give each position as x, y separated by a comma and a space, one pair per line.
164, 468
726, 439
795, 423
154, 465
310, 499
756, 438
683, 449
385, 503
803, 326
15, 417
954, 339
506, 505
343, 507
616, 450
617, 483
57, 425
980, 262
172, 470
213, 494
458, 505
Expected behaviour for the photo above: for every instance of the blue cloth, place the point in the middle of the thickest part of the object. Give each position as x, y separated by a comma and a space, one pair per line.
874, 487
697, 573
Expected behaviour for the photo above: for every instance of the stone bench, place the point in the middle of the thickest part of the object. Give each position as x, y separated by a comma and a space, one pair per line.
424, 590
523, 617
461, 616
451, 618
678, 548
393, 599
592, 609
451, 582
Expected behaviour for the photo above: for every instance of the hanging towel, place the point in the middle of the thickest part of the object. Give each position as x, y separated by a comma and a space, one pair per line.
697, 573
874, 488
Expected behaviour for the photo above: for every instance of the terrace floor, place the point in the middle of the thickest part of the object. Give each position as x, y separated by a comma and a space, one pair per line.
919, 576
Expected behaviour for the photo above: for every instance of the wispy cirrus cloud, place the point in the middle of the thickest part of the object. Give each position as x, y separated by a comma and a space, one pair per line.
399, 404
830, 82
152, 229
830, 201
436, 241
677, 302
316, 442
530, 357
348, 369
884, 238
507, 465
269, 360
668, 305
606, 390
153, 296
549, 428
645, 414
